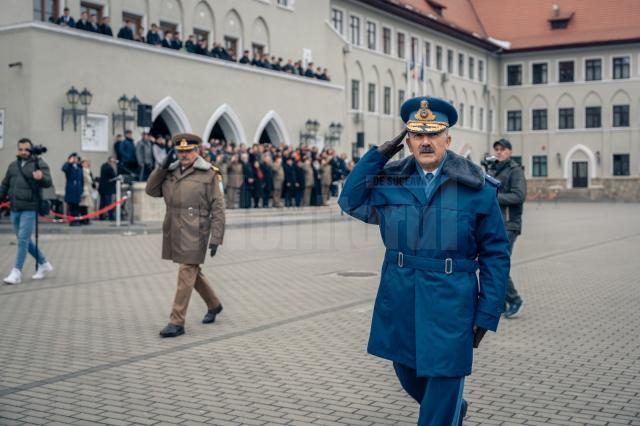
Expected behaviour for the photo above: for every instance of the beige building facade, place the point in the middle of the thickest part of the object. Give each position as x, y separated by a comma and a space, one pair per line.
572, 114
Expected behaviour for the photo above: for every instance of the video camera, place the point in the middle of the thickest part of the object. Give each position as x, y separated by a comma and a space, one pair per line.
489, 163
38, 149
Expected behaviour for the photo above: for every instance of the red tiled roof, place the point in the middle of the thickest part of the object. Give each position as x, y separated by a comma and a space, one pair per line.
525, 23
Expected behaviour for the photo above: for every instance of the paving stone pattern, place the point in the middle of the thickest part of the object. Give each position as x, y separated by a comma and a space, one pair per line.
81, 347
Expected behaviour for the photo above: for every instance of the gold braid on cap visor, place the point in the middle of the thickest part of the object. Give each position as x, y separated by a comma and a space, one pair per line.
426, 127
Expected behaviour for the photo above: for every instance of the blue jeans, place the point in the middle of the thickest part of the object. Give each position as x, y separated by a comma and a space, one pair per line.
23, 224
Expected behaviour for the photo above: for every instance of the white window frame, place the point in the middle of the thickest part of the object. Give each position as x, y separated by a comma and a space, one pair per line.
359, 31
622, 55
481, 78
602, 70
345, 20
377, 35
390, 101
506, 122
404, 33
391, 32
435, 58
376, 101
531, 120
506, 74
288, 7
575, 71
464, 61
575, 121
431, 61
531, 73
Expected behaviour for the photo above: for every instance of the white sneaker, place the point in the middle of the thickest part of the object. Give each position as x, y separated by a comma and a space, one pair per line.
42, 271
15, 277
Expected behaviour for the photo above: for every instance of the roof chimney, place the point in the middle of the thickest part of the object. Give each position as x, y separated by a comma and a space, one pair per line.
556, 10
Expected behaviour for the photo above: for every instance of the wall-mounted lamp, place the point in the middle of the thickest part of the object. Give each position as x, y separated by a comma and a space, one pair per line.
598, 157
559, 158
333, 135
311, 131
124, 104
73, 97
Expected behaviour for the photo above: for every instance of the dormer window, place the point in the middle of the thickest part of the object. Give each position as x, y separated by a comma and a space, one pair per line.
559, 20
437, 7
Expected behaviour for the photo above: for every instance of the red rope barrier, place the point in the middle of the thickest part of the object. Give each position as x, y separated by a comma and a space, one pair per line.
65, 218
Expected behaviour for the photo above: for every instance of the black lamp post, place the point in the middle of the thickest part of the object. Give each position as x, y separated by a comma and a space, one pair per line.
124, 104
311, 131
333, 135
73, 97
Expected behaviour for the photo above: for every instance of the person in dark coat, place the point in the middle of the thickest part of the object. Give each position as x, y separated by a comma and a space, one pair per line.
203, 47
290, 182
107, 186
309, 72
83, 22
126, 153
245, 58
288, 67
266, 167
105, 27
176, 42
126, 32
440, 223
167, 40
23, 185
246, 190
511, 196
74, 187
190, 45
300, 181
93, 25
258, 184
153, 37
66, 20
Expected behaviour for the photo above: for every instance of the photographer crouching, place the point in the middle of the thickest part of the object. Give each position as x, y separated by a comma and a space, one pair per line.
22, 185
511, 196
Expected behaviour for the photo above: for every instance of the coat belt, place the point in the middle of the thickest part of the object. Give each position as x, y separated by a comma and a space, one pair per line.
448, 266
189, 211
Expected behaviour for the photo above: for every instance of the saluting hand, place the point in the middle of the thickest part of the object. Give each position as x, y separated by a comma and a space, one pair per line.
392, 147
213, 249
171, 157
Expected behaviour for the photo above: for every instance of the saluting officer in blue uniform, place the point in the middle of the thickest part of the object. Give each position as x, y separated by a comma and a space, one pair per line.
440, 222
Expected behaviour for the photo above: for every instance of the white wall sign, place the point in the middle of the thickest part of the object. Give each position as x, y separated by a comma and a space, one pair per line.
94, 133
307, 57
1, 128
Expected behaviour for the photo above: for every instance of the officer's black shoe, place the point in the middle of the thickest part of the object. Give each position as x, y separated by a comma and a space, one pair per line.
172, 330
463, 411
211, 314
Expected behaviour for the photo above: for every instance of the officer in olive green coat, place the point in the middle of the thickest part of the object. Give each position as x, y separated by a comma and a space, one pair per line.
194, 220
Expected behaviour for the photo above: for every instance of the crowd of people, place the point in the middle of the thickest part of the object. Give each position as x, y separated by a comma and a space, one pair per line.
257, 176
200, 46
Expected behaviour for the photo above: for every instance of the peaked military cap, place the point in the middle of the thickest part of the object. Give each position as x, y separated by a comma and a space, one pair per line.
426, 114
186, 141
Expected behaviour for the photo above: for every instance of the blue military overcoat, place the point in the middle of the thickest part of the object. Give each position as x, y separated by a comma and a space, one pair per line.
429, 296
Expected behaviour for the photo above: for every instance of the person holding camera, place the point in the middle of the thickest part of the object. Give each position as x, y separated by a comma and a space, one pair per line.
194, 221
74, 187
23, 185
511, 196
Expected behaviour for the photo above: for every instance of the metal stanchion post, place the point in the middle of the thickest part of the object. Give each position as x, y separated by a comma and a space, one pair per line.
118, 196
130, 200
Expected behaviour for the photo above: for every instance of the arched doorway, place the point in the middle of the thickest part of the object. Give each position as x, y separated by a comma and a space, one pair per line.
224, 124
160, 128
272, 130
579, 167
169, 118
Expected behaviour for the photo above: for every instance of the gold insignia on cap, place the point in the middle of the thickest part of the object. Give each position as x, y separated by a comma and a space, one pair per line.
424, 113
183, 143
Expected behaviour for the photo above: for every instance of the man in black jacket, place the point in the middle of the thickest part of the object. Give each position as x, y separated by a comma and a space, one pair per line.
22, 185
105, 27
66, 20
126, 32
107, 185
153, 37
511, 196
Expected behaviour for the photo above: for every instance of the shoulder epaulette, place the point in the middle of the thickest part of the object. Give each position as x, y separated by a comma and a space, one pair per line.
493, 181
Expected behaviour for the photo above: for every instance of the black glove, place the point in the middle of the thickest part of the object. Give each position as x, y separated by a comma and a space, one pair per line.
392, 147
171, 157
213, 249
478, 334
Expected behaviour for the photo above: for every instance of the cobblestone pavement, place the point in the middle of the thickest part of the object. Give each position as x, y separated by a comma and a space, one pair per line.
81, 347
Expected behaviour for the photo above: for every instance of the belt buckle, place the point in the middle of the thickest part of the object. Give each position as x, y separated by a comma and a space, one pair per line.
400, 259
448, 266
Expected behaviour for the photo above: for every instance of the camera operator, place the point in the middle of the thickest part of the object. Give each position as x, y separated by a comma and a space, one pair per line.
23, 185
511, 197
